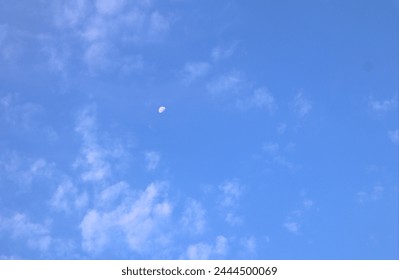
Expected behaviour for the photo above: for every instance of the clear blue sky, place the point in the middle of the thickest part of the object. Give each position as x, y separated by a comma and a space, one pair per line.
279, 140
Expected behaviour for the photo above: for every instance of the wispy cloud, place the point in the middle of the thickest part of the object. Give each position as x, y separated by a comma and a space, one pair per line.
23, 115
141, 220
383, 105
394, 136
292, 226
302, 105
152, 158
94, 158
281, 128
271, 148
295, 218
194, 70
249, 244
220, 52
104, 27
67, 198
261, 98
194, 217
36, 236
277, 156
231, 82
10, 47
204, 251
375, 194
231, 192
24, 170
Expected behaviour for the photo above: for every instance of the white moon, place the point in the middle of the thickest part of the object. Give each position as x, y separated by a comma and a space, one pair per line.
161, 109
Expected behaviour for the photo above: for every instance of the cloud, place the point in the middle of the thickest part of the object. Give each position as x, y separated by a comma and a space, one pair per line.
261, 98
249, 244
281, 128
139, 220
113, 194
193, 218
66, 198
296, 217
24, 170
292, 227
271, 148
94, 159
302, 106
103, 28
72, 12
158, 25
152, 158
231, 82
204, 251
275, 153
231, 192
194, 70
109, 7
10, 47
219, 52
37, 236
383, 105
375, 194
22, 115
394, 136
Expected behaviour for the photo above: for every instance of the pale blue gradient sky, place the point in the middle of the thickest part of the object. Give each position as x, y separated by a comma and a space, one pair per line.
279, 139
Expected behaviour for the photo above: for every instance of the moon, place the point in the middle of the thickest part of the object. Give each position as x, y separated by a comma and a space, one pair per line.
161, 109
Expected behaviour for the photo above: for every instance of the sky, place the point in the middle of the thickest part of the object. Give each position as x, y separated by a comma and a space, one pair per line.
279, 138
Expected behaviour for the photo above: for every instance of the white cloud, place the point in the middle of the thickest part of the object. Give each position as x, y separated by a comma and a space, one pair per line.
72, 12
199, 251
37, 236
94, 159
281, 128
67, 198
292, 227
302, 106
140, 220
104, 27
375, 194
271, 148
274, 151
296, 217
10, 46
19, 114
231, 82
232, 191
194, 70
25, 170
232, 219
383, 105
249, 244
109, 7
96, 56
220, 52
261, 98
193, 218
158, 25
221, 245
152, 158
112, 194
204, 251
394, 136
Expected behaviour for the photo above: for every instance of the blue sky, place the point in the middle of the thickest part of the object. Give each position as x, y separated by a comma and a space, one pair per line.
279, 139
